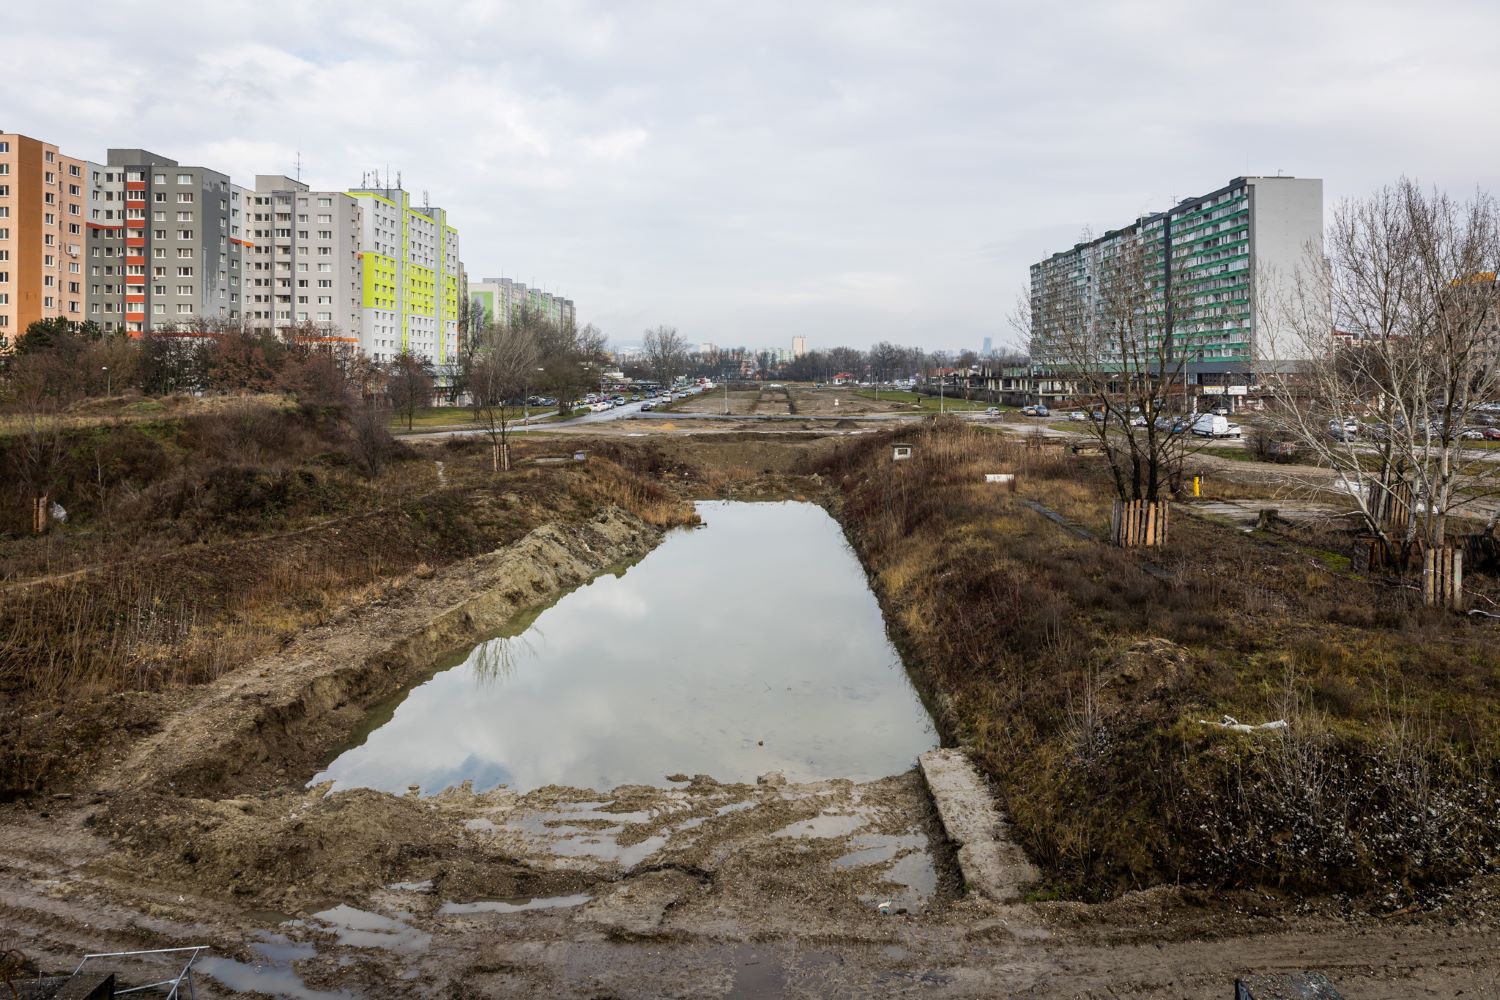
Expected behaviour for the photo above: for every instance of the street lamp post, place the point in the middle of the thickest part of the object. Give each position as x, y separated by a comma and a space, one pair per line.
108, 383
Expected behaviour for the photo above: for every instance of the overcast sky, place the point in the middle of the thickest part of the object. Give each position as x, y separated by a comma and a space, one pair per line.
749, 171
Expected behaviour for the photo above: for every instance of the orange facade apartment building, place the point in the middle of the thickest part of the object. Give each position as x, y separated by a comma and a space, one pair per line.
42, 199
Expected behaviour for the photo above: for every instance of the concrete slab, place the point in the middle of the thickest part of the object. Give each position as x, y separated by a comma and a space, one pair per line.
992, 864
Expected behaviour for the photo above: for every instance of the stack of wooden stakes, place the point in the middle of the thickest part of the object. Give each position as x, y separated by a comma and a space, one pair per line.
1139, 522
1443, 578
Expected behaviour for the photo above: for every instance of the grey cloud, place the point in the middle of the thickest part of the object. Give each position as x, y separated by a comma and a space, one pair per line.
848, 171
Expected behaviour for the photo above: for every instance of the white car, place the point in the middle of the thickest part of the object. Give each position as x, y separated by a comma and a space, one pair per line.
1078, 415
1345, 430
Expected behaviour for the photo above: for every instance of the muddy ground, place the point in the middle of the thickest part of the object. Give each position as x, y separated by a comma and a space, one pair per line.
203, 833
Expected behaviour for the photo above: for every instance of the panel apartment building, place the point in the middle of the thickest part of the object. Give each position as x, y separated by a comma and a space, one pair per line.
502, 299
159, 252
410, 279
1204, 261
301, 259
42, 238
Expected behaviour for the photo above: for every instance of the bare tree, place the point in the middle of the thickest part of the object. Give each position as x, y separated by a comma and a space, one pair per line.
1388, 393
1122, 347
409, 382
666, 354
370, 441
38, 450
504, 368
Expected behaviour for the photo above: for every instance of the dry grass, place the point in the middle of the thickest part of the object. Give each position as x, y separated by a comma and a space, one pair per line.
1081, 680
194, 563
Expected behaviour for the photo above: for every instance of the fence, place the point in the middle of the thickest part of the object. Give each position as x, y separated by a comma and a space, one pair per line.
1139, 522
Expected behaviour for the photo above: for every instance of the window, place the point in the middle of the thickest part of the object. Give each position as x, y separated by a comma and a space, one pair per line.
159, 307
184, 178
184, 308
184, 272
184, 234
185, 253
184, 197
159, 234
184, 289
159, 197
160, 178
185, 216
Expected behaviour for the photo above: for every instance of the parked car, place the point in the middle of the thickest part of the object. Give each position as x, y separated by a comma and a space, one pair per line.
1078, 415
1213, 425
1138, 421
1492, 433
993, 411
1097, 416
1220, 411
1471, 434
1345, 430
647, 405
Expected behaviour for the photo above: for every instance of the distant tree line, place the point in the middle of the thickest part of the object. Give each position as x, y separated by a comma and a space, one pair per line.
61, 362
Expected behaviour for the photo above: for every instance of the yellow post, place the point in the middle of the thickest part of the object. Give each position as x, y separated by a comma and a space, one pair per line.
1197, 486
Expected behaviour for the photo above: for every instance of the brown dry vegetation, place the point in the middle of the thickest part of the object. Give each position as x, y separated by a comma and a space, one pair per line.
1081, 680
195, 545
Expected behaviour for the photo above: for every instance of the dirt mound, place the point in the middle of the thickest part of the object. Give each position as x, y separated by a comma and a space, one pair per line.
282, 715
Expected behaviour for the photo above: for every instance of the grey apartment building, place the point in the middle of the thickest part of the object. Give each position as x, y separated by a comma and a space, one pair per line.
1208, 263
158, 244
301, 255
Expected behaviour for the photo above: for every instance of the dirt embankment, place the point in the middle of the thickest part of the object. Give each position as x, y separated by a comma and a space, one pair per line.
281, 715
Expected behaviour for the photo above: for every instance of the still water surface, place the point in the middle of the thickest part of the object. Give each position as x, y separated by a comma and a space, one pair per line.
749, 645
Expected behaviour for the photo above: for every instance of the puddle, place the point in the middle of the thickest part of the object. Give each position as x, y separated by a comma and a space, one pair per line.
877, 848
272, 977
827, 825
733, 807
362, 929
270, 980
423, 886
279, 949
512, 905
749, 646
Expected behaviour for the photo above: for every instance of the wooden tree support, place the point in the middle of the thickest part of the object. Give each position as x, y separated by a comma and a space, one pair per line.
1443, 578
1139, 522
41, 512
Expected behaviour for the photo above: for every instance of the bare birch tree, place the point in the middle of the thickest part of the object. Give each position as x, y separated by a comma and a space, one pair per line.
504, 368
1390, 392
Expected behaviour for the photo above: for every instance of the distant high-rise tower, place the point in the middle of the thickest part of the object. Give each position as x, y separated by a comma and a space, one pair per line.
799, 346
989, 346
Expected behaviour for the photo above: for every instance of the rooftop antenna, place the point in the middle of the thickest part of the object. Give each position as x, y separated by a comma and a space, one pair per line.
426, 200
299, 165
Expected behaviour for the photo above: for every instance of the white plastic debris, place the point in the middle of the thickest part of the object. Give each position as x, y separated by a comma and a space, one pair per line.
1235, 725
58, 513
